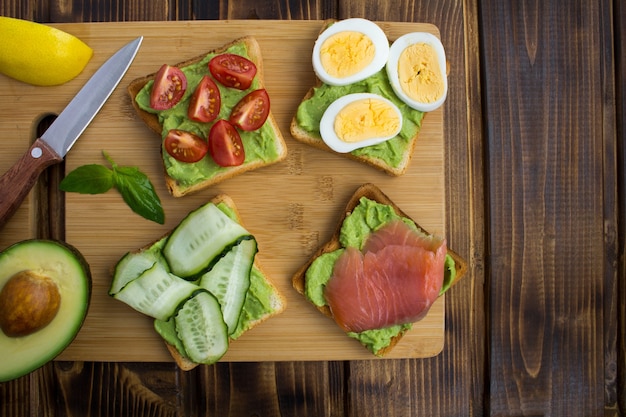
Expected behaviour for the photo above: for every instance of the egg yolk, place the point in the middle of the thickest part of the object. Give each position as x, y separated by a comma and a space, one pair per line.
366, 119
346, 53
419, 73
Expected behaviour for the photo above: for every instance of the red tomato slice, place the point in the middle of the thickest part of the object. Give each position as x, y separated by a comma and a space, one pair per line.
225, 144
185, 146
251, 111
169, 86
233, 70
205, 102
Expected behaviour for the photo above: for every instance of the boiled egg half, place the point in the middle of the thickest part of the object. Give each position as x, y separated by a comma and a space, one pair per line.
358, 120
349, 51
417, 70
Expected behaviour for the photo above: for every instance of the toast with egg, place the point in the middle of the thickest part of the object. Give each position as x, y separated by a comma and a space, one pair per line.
456, 267
180, 186
305, 124
270, 303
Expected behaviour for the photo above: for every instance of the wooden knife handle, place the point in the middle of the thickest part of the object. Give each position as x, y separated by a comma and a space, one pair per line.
17, 182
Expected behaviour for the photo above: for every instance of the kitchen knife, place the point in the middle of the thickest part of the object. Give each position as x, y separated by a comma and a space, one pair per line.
52, 146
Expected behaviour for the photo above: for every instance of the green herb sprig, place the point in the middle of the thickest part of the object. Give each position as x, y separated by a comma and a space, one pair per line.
134, 186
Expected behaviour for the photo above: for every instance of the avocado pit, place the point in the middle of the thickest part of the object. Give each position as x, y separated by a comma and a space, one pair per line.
29, 301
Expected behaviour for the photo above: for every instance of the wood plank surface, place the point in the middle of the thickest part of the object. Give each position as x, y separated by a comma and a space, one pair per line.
21, 132
326, 379
553, 220
620, 93
561, 355
459, 370
291, 208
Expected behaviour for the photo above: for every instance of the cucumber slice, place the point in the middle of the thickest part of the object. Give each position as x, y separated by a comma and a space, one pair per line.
199, 239
229, 280
134, 264
156, 292
201, 328
167, 330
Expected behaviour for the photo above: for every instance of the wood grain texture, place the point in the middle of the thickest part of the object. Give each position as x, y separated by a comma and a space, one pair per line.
620, 52
291, 215
263, 9
534, 192
17, 182
458, 371
550, 128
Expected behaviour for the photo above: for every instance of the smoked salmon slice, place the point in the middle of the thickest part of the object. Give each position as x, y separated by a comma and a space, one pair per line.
394, 279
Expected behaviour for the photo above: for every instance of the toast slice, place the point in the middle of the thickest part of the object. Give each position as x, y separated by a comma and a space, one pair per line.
371, 192
375, 156
273, 301
177, 184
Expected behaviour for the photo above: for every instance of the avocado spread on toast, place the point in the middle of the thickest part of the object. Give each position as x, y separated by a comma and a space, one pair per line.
310, 113
366, 217
258, 144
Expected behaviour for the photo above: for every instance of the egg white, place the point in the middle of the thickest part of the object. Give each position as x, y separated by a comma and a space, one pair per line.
395, 51
364, 26
327, 129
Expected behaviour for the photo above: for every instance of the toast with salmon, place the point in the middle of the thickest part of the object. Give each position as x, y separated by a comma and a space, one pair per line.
261, 300
311, 279
392, 157
182, 179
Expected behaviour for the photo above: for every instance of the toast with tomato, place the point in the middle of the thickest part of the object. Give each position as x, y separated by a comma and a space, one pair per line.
379, 273
213, 115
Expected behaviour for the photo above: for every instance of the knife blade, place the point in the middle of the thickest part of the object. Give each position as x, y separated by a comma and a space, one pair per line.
58, 139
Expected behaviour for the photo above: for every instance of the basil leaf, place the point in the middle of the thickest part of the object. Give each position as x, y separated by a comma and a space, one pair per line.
88, 179
138, 192
134, 186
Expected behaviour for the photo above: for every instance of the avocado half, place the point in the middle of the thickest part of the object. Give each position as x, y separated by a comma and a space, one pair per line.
67, 268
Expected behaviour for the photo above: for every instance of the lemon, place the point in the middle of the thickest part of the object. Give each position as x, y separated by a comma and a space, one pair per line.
38, 54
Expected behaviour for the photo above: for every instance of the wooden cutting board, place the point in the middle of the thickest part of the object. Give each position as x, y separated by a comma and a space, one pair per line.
291, 207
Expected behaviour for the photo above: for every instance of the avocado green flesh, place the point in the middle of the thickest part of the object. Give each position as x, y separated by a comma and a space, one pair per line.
257, 304
66, 267
367, 217
259, 145
310, 112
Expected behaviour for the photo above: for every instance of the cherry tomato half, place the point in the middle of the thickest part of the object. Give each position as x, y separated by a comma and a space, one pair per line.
169, 86
233, 70
205, 102
185, 146
225, 144
251, 111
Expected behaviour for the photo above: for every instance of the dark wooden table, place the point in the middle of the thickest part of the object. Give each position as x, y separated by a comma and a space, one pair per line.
534, 136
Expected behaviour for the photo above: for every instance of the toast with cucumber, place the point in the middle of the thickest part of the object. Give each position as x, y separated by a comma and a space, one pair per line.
213, 115
379, 273
201, 283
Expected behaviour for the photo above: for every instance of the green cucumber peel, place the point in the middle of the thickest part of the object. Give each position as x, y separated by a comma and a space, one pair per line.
200, 239
229, 280
201, 328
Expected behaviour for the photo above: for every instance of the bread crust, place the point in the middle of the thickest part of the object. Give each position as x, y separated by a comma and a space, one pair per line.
279, 302
316, 141
177, 189
371, 192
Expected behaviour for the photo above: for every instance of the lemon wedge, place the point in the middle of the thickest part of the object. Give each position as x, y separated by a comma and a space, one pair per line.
38, 54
